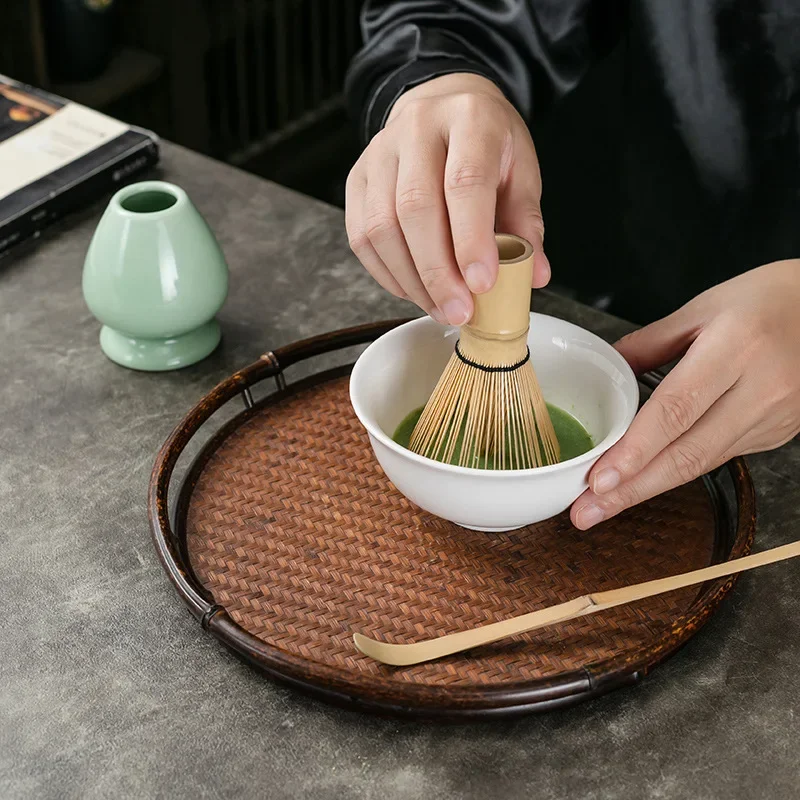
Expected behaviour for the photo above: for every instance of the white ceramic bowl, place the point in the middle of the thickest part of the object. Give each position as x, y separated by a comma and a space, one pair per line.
578, 372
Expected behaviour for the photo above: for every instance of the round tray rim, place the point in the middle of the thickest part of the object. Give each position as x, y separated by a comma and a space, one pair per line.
374, 693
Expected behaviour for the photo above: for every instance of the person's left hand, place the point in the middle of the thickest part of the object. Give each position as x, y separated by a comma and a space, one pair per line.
736, 390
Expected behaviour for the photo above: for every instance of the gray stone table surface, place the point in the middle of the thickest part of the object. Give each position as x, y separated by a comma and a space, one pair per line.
108, 688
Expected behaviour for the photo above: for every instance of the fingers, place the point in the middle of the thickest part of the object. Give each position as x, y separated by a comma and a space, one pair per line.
422, 202
685, 395
360, 244
384, 233
519, 203
662, 341
706, 446
471, 179
423, 218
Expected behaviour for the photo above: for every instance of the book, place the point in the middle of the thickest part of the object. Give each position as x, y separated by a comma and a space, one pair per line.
57, 156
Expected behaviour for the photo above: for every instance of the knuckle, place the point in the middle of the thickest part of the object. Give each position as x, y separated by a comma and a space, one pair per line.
629, 339
689, 460
358, 241
414, 201
468, 103
624, 497
747, 332
380, 226
783, 387
414, 108
676, 412
416, 119
435, 277
382, 142
786, 426
378, 142
356, 182
465, 175
476, 105
373, 154
630, 458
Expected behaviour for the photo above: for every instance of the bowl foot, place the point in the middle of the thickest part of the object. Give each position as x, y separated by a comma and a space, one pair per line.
493, 530
159, 355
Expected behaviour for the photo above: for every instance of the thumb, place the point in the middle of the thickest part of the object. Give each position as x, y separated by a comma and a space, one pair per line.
660, 342
519, 210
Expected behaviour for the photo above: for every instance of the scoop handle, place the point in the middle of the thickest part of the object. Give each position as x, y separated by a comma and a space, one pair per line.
504, 311
430, 649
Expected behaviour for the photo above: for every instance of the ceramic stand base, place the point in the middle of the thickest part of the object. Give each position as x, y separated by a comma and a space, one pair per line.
160, 355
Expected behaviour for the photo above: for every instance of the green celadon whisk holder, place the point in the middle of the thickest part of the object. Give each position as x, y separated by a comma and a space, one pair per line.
155, 277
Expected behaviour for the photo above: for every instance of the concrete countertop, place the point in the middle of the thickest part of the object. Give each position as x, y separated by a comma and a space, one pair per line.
108, 688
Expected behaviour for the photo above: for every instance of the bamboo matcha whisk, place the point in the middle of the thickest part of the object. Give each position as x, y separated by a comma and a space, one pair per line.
488, 402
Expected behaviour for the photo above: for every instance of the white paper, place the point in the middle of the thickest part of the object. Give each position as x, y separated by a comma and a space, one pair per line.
71, 132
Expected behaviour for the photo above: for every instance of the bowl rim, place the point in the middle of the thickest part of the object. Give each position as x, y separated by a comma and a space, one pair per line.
376, 432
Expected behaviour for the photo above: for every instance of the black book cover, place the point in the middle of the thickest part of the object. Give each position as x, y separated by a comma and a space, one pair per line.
57, 156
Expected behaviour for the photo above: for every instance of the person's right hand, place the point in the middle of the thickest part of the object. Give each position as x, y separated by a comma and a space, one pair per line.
454, 163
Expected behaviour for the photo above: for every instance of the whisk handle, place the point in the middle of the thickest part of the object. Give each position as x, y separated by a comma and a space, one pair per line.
504, 311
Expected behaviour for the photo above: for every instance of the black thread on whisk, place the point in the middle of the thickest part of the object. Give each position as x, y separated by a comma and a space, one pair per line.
484, 368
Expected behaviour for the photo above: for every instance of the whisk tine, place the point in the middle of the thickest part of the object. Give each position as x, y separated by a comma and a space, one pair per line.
488, 404
521, 439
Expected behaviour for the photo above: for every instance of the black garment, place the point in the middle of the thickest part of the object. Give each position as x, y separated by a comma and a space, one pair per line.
706, 149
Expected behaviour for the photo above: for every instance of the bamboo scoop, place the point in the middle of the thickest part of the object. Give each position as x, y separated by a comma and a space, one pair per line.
488, 404
402, 655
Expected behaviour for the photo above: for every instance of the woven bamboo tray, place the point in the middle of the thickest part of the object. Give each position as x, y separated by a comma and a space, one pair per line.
286, 538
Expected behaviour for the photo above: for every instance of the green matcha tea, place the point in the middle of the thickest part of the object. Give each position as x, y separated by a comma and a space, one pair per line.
573, 438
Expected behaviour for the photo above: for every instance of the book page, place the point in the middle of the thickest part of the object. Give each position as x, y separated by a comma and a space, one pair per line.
53, 142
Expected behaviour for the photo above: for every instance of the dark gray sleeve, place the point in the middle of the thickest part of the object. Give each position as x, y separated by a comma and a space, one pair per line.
534, 50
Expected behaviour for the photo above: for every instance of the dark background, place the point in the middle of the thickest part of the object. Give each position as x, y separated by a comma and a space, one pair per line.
258, 84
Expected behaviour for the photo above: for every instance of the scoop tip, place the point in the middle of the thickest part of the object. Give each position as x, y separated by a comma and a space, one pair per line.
389, 654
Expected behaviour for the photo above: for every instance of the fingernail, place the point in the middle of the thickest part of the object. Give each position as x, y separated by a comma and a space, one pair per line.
437, 316
605, 481
588, 516
477, 277
456, 312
